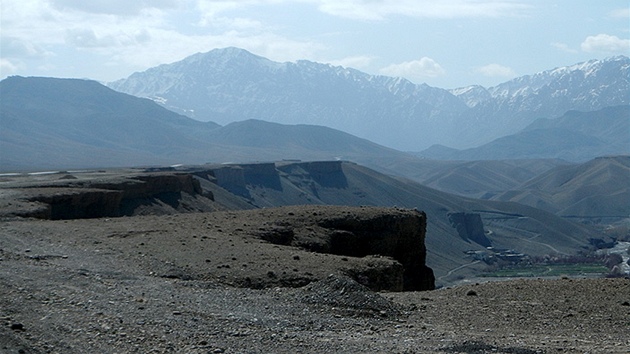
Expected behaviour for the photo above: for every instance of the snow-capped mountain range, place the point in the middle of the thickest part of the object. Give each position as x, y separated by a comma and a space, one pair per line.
231, 84
512, 105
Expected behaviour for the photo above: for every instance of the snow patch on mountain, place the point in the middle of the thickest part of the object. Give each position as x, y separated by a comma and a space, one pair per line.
231, 84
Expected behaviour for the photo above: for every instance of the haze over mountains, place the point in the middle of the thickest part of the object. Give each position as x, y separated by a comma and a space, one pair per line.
50, 123
575, 136
597, 189
231, 84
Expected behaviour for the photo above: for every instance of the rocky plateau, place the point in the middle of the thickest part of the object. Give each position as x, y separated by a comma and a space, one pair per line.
154, 262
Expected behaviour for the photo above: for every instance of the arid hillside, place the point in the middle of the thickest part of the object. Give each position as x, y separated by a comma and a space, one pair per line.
456, 226
242, 282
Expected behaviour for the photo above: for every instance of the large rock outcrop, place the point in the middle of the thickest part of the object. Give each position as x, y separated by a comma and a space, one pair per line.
386, 245
113, 196
236, 178
393, 233
469, 226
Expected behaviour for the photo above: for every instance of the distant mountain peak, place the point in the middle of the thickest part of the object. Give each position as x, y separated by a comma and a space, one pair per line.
220, 59
472, 95
231, 51
543, 78
232, 84
588, 67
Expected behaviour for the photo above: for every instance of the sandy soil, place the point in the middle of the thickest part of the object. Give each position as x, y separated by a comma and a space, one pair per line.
175, 284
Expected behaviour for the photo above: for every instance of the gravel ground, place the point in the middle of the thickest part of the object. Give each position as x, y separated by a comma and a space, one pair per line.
173, 284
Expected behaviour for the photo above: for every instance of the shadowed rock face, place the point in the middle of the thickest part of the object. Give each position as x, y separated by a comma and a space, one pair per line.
236, 178
78, 204
400, 236
470, 227
114, 197
377, 234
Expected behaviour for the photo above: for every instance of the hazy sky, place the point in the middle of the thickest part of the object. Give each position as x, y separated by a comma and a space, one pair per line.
444, 43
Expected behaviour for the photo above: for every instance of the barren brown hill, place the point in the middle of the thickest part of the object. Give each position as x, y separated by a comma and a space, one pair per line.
596, 189
480, 179
574, 136
50, 123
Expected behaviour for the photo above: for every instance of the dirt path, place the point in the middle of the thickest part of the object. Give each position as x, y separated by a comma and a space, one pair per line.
450, 272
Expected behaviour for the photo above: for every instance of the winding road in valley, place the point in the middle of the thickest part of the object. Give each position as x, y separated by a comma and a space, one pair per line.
450, 272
